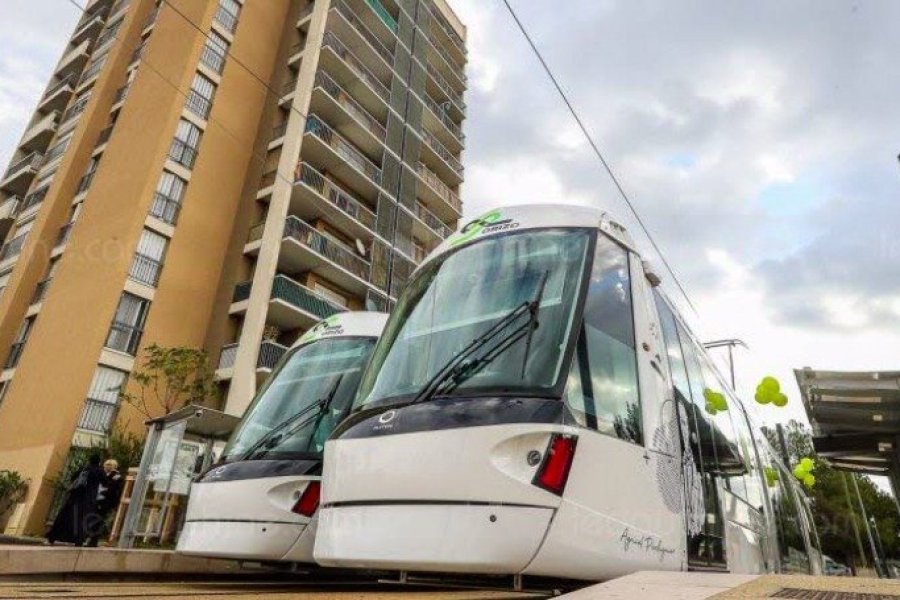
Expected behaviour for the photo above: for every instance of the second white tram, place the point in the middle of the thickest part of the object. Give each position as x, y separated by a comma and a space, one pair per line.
259, 501
535, 406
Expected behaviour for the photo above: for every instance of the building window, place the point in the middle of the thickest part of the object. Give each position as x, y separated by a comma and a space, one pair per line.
88, 176
4, 279
167, 200
201, 95
15, 351
40, 290
102, 402
147, 261
14, 246
329, 294
128, 324
4, 387
57, 150
184, 146
214, 52
94, 67
227, 14
76, 108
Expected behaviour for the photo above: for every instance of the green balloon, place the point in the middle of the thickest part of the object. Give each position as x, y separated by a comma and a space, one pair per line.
800, 473
720, 402
711, 408
762, 396
809, 481
780, 400
770, 383
808, 464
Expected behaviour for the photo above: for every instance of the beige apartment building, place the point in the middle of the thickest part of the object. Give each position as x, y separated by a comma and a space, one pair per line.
216, 174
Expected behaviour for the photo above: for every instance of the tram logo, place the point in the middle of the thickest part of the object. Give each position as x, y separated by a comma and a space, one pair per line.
491, 222
387, 417
330, 326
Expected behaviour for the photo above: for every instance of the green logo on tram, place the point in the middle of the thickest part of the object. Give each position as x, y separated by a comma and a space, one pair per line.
321, 328
477, 226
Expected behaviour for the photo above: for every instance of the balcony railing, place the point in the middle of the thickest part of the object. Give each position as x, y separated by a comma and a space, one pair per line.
124, 337
104, 135
289, 87
64, 232
40, 290
32, 161
151, 18
441, 188
139, 52
182, 153
76, 108
383, 14
13, 247
94, 68
242, 291
343, 148
279, 130
121, 93
433, 222
342, 97
213, 59
145, 269
10, 207
108, 35
349, 14
269, 354
227, 356
441, 151
337, 196
330, 40
443, 117
98, 415
34, 198
442, 23
165, 208
15, 353
56, 151
88, 22
296, 294
310, 237
85, 183
226, 19
198, 105
68, 80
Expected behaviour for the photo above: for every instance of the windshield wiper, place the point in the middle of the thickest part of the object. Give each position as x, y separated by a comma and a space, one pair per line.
272, 438
458, 369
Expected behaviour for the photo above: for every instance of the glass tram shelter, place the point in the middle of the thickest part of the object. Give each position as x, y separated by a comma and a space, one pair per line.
178, 447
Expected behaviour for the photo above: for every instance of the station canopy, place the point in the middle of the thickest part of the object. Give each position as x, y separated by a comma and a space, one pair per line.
855, 418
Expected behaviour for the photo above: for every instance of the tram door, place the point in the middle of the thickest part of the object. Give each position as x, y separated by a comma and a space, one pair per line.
704, 524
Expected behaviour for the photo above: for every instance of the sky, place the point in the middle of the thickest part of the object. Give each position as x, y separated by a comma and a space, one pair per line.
758, 141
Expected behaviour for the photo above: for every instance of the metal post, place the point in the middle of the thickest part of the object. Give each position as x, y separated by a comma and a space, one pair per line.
731, 365
859, 546
785, 455
132, 515
865, 517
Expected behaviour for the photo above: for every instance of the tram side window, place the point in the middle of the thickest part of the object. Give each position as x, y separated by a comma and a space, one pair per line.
794, 558
602, 391
754, 477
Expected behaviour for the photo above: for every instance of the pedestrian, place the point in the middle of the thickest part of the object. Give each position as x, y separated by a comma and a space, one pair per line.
79, 509
109, 492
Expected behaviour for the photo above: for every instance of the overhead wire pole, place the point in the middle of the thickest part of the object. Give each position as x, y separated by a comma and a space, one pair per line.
597, 151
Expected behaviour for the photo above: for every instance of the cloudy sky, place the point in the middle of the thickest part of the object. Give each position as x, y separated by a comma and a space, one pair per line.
758, 141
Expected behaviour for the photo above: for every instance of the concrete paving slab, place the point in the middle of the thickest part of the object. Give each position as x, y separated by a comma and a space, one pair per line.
45, 560
769, 586
662, 585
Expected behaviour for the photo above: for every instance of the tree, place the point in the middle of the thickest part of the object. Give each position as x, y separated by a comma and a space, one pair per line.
835, 511
171, 378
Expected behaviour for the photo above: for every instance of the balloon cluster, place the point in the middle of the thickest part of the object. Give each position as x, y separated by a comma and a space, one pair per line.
769, 392
715, 401
803, 472
771, 476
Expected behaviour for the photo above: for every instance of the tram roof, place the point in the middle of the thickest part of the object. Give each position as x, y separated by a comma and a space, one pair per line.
345, 324
855, 417
520, 217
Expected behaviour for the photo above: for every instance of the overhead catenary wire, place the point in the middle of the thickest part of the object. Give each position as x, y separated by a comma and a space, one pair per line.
596, 150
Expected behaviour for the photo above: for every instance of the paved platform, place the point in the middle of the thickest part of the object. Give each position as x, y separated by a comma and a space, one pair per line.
17, 560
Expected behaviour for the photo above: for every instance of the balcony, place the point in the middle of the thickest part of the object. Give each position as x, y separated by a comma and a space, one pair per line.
227, 20
150, 21
85, 182
74, 60
329, 150
121, 94
138, 53
39, 135
165, 208
33, 199
9, 210
451, 40
306, 249
293, 305
62, 237
198, 105
145, 269
269, 354
436, 84
357, 36
18, 177
182, 153
437, 119
438, 194
15, 353
383, 14
442, 160
93, 69
227, 356
447, 66
213, 59
351, 73
98, 416
434, 223
347, 116
88, 28
74, 110
13, 247
124, 337
316, 195
105, 134
40, 290
57, 96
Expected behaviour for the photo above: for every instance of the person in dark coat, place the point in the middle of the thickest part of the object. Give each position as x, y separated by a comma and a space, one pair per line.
108, 495
79, 510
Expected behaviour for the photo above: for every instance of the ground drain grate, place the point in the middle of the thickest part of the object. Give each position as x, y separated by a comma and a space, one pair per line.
826, 595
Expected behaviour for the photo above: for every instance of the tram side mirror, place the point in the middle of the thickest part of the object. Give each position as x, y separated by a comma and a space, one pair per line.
650, 274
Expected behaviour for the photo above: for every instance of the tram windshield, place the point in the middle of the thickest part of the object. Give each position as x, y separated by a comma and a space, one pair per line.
502, 308
308, 394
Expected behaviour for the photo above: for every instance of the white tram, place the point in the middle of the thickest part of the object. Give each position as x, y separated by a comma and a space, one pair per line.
259, 501
535, 406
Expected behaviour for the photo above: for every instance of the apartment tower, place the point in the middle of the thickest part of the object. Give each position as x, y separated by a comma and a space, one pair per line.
213, 174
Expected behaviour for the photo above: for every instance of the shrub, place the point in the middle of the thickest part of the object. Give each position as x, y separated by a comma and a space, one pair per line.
13, 488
